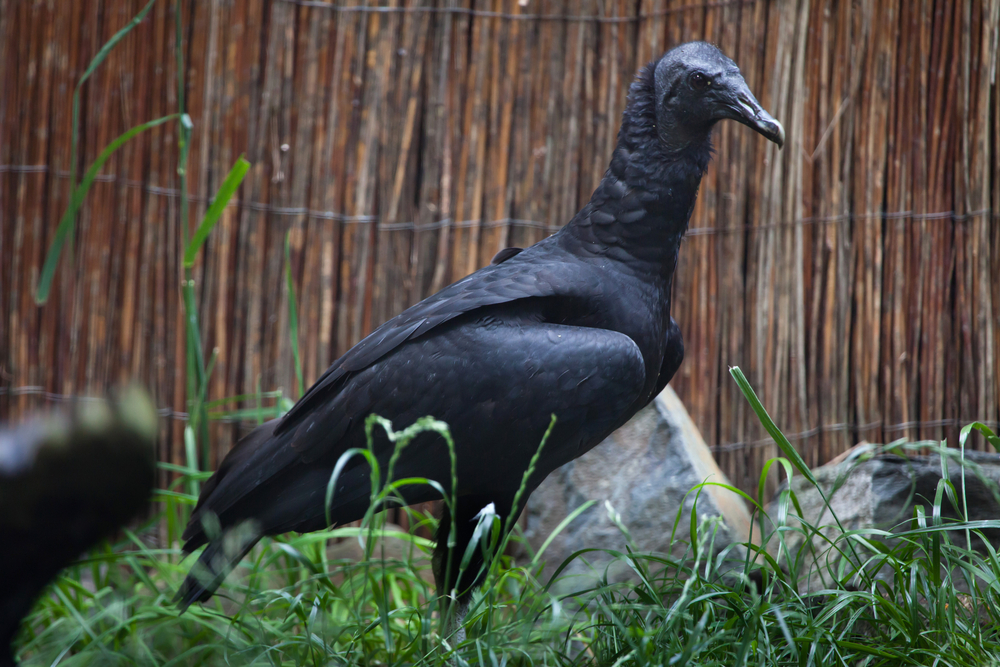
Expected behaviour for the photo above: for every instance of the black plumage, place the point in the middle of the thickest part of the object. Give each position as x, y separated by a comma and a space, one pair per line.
67, 481
577, 325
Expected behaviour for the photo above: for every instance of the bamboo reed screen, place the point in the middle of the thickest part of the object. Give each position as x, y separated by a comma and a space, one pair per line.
854, 276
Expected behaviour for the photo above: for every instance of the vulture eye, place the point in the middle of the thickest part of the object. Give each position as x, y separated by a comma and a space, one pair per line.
699, 81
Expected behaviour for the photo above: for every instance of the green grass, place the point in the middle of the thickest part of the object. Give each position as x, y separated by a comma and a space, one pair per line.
293, 602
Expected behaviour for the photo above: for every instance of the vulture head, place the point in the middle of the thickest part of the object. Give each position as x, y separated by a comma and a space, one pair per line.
696, 86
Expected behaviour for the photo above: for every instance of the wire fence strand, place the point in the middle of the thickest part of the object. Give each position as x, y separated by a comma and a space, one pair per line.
413, 226
484, 13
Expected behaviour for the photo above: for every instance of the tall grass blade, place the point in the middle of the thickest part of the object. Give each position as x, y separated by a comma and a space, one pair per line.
222, 197
197, 378
94, 64
110, 44
293, 315
987, 432
786, 447
509, 523
560, 528
191, 456
68, 220
195, 354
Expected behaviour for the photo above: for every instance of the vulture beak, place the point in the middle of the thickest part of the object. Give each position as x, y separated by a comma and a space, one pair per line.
743, 107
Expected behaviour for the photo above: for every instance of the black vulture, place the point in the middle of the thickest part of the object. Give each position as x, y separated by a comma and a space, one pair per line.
66, 482
577, 326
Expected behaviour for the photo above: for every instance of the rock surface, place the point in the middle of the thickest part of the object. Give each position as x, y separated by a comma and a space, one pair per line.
870, 489
645, 470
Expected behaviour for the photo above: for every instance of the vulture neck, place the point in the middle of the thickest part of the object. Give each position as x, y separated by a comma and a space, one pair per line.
641, 209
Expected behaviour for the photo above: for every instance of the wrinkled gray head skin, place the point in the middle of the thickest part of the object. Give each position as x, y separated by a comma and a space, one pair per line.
697, 86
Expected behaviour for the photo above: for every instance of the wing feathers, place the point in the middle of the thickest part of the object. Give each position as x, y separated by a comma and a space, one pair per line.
519, 277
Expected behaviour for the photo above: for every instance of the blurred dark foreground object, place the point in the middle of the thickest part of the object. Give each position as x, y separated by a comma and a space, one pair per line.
67, 480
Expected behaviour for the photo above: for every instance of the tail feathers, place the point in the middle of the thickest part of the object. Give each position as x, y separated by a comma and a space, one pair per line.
215, 563
216, 496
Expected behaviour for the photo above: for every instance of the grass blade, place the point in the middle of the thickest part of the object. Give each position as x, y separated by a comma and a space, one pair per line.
94, 64
68, 220
110, 44
786, 447
293, 315
195, 354
562, 526
222, 197
988, 433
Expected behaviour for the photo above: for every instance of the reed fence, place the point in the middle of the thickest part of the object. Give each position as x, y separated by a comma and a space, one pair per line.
854, 276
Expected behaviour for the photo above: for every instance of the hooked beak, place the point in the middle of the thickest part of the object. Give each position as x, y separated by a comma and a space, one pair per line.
744, 108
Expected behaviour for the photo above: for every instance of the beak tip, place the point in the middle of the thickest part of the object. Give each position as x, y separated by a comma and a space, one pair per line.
773, 130
779, 136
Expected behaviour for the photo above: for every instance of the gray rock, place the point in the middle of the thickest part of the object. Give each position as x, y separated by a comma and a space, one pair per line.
868, 487
645, 471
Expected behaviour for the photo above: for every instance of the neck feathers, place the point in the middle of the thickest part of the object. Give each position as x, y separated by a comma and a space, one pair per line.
641, 209
645, 154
